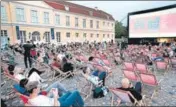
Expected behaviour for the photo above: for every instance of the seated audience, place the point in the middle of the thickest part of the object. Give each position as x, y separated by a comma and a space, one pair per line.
17, 73
56, 63
52, 99
135, 91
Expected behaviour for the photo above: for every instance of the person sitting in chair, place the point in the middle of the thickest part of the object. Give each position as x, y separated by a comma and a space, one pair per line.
135, 91
17, 73
52, 99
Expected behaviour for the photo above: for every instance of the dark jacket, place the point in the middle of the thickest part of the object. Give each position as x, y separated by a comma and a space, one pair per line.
136, 94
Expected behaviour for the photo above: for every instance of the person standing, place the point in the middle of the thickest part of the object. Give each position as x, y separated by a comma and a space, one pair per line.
27, 48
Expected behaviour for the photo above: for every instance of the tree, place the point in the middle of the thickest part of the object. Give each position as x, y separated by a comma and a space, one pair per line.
120, 30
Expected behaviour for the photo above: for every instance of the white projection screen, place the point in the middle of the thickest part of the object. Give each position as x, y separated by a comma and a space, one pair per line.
153, 24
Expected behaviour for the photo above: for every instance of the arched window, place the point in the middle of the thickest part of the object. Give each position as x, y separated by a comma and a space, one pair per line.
36, 36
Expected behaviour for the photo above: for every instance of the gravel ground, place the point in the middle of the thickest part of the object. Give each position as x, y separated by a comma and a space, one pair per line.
166, 96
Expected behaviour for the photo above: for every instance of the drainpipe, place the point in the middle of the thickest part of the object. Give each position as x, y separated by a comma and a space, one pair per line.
10, 16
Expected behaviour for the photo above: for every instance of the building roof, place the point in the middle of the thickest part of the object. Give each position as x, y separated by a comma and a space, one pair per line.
75, 8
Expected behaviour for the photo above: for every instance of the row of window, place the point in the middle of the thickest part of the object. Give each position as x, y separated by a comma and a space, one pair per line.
58, 36
20, 17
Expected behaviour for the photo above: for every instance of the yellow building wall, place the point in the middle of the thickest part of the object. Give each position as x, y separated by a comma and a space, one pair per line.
62, 28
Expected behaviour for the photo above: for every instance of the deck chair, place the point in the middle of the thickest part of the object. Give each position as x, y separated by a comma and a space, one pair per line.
150, 80
173, 63
23, 97
124, 96
142, 68
131, 75
107, 63
62, 74
161, 66
129, 66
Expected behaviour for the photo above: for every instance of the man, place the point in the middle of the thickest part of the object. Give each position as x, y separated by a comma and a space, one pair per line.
27, 48
52, 99
135, 91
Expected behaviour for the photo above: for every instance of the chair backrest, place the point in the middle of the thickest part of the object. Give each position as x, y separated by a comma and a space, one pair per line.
96, 60
161, 65
130, 75
99, 67
123, 95
129, 66
154, 55
106, 62
82, 58
142, 68
148, 79
173, 61
24, 98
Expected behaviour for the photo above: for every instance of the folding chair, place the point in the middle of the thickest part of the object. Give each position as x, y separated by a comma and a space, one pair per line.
124, 96
161, 66
142, 68
173, 63
150, 79
107, 63
131, 75
62, 74
129, 66
23, 97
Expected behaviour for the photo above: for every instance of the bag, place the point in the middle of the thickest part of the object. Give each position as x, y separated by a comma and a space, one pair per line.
98, 92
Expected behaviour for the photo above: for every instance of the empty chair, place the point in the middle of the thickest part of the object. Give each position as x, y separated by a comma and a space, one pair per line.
142, 68
160, 65
149, 79
173, 63
129, 66
130, 75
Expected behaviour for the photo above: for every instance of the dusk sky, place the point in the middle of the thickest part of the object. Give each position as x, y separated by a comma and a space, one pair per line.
120, 9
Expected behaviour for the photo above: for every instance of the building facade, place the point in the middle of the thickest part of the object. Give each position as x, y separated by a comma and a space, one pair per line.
54, 22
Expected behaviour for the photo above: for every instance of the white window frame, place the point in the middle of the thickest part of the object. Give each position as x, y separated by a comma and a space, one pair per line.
91, 35
77, 35
57, 20
91, 24
58, 37
4, 15
46, 19
24, 15
3, 33
32, 21
84, 35
67, 20
98, 35
67, 34
76, 22
98, 25
84, 23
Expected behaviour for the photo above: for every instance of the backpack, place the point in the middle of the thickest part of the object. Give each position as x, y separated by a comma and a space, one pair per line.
98, 92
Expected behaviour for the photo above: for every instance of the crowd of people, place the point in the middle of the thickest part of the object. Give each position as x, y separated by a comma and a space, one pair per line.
29, 80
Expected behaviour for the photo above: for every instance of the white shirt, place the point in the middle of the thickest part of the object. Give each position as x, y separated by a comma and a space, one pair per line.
171, 53
42, 100
60, 56
34, 77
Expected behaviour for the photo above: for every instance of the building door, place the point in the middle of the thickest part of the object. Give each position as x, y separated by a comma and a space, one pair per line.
36, 37
47, 37
23, 36
4, 38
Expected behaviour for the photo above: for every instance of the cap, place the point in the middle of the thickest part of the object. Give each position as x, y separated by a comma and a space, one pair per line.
31, 85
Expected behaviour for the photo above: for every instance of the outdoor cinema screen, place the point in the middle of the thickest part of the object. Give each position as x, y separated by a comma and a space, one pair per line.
155, 24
